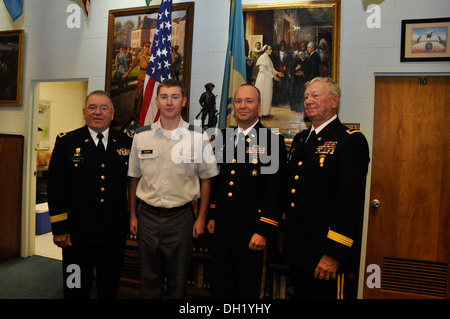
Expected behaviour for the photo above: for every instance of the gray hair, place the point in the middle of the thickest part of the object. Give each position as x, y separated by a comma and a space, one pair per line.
333, 87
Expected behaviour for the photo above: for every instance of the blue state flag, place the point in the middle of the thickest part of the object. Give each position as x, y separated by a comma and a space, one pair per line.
14, 8
235, 67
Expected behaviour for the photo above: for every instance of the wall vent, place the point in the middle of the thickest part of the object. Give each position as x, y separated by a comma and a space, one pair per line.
413, 276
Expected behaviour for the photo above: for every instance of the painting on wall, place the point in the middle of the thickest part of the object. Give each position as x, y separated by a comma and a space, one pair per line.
11, 61
130, 36
302, 41
425, 40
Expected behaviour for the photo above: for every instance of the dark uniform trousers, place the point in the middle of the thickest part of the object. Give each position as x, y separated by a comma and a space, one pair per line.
245, 200
87, 197
326, 183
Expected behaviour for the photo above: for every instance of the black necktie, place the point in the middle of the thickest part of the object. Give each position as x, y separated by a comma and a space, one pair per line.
241, 138
312, 137
100, 145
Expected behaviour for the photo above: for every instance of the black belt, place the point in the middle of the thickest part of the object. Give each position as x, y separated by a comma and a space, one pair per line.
163, 210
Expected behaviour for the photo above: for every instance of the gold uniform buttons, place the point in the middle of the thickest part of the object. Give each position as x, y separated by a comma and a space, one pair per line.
292, 204
103, 165
102, 177
232, 172
296, 177
293, 191
102, 189
230, 194
300, 163
231, 183
102, 200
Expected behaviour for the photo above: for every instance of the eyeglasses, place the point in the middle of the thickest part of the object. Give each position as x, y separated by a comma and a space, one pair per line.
93, 107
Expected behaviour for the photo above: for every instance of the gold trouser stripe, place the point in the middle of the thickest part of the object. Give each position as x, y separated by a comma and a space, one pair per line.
269, 221
340, 238
340, 286
58, 218
263, 275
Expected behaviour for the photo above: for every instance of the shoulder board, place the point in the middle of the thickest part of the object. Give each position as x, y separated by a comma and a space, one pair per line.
62, 134
277, 132
353, 130
143, 129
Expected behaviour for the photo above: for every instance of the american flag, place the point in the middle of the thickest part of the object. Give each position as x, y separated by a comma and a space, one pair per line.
159, 65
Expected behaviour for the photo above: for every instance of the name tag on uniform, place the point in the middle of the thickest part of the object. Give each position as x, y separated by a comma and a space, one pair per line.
76, 160
146, 152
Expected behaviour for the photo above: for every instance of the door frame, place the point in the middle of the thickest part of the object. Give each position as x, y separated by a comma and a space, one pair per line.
28, 230
372, 75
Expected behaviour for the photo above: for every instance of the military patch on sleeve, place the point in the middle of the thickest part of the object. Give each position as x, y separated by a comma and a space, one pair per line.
353, 130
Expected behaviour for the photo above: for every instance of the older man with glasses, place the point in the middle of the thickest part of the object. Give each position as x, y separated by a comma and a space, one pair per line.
87, 196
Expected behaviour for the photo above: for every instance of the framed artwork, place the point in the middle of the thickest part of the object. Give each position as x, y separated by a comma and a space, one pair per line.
130, 34
11, 62
425, 40
288, 28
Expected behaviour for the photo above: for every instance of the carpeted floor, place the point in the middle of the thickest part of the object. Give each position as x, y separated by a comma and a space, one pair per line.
33, 277
37, 277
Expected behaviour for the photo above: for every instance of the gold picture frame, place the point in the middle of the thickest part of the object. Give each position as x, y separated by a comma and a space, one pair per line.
295, 24
120, 26
11, 67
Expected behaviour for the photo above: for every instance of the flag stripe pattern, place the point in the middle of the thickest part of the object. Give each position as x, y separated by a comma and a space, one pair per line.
159, 65
235, 70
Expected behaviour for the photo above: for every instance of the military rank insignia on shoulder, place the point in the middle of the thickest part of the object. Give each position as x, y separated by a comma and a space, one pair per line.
353, 130
143, 129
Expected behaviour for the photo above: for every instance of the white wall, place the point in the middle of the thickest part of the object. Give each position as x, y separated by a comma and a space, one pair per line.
66, 108
53, 52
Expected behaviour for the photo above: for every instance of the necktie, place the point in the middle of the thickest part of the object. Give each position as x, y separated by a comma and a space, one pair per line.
100, 145
312, 137
240, 138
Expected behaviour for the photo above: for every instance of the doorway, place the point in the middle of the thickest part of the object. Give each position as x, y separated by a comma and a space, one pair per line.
408, 236
59, 106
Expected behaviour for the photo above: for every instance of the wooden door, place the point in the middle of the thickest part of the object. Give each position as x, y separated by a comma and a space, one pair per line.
11, 162
408, 234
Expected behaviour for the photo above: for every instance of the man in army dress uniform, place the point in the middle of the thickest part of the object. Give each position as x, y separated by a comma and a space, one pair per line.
88, 201
326, 183
246, 199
